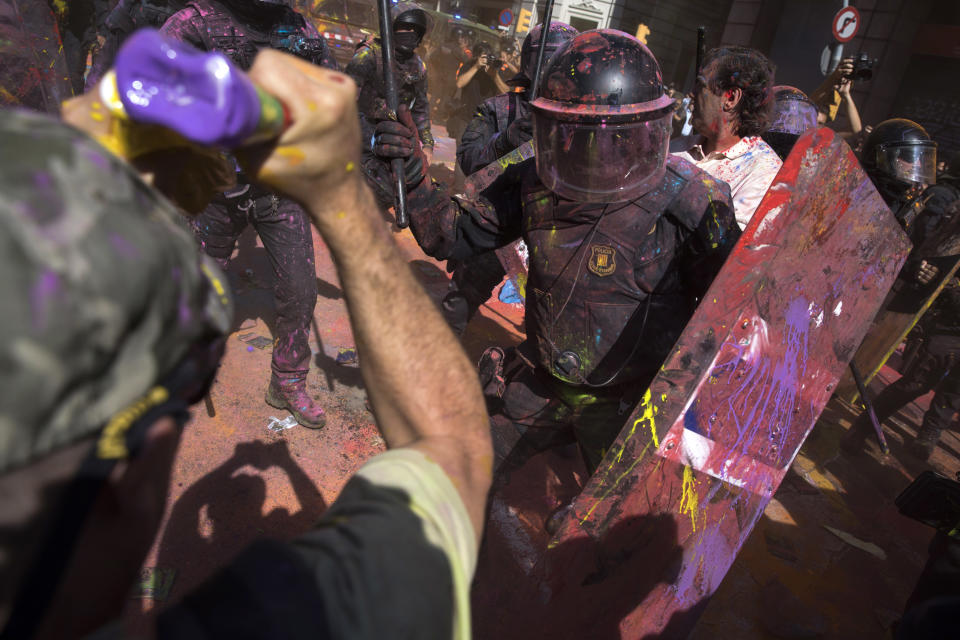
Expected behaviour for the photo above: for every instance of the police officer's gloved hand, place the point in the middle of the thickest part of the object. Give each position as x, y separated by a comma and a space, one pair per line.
399, 139
926, 272
519, 131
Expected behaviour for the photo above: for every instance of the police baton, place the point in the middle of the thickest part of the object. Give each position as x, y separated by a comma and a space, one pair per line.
544, 33
868, 407
393, 105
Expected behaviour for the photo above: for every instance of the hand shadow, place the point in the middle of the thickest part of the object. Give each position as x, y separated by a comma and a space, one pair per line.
222, 512
584, 587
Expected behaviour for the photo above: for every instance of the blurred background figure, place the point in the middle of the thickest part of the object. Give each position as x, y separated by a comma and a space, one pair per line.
477, 81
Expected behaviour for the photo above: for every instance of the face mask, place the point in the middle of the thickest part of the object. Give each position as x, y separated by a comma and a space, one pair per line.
405, 42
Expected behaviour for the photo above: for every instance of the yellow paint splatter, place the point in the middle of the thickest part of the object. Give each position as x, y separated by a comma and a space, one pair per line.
96, 106
341, 215
96, 116
269, 111
350, 167
311, 105
689, 502
648, 416
293, 155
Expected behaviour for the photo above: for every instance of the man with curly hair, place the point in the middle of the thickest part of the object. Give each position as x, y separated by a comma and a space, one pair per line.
732, 106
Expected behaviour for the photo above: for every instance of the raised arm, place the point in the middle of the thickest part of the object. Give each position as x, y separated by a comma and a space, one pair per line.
430, 404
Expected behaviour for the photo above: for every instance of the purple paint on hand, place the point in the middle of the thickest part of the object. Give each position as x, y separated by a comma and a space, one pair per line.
201, 96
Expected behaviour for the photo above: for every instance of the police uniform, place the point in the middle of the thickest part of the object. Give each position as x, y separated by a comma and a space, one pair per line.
610, 288
410, 73
282, 224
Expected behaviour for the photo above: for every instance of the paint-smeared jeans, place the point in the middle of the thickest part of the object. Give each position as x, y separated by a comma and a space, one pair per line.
285, 230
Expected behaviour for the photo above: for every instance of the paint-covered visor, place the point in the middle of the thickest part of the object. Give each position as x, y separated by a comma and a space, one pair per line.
909, 162
794, 116
600, 162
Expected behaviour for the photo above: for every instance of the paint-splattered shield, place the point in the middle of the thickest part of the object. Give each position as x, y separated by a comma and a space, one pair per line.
656, 528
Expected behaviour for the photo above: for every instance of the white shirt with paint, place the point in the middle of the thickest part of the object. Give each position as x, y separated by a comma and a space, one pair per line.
749, 167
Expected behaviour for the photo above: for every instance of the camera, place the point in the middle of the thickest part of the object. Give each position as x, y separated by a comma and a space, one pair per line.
495, 63
862, 67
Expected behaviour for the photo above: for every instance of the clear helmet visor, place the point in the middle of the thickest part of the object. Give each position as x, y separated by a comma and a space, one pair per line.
601, 162
794, 117
911, 163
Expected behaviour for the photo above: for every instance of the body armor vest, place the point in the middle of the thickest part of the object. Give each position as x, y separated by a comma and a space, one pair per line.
606, 301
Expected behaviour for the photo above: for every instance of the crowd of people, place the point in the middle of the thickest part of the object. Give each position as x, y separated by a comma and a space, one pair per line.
115, 317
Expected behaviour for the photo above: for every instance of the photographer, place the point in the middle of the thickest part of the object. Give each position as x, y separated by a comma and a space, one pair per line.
834, 93
115, 326
477, 81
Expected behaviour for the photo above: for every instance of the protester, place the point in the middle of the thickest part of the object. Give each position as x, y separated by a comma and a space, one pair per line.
238, 28
366, 68
616, 257
732, 107
121, 330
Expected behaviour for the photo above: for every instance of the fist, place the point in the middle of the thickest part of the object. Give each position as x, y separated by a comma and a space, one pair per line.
926, 272
318, 154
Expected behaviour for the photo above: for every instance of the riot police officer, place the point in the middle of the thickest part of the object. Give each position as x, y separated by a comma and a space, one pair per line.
794, 115
500, 125
366, 69
239, 28
623, 239
901, 160
125, 18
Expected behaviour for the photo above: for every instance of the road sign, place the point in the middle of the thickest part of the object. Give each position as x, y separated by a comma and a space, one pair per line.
642, 32
506, 17
523, 24
846, 24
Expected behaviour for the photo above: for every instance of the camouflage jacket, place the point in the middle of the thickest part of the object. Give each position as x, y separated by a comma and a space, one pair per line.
366, 69
104, 292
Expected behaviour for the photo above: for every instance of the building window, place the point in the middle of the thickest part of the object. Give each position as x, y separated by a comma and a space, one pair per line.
583, 24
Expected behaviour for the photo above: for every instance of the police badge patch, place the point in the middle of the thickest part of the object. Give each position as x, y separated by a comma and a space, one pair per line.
603, 259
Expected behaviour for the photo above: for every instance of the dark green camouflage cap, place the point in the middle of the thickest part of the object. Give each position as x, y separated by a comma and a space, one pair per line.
102, 292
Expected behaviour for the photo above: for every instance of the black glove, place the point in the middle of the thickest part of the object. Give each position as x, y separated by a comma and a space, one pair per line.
399, 139
519, 131
393, 139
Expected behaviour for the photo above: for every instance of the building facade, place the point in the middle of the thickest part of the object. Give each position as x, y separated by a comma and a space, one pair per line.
915, 43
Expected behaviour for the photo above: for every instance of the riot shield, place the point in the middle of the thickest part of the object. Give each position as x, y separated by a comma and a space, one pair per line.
656, 528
